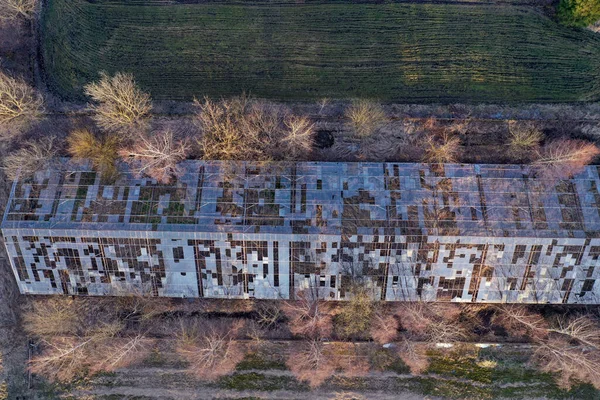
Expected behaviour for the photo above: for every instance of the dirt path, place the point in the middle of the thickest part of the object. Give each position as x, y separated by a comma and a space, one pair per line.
172, 383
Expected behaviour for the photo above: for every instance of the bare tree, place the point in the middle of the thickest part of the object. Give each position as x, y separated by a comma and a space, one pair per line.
120, 103
78, 338
519, 320
11, 10
210, 347
298, 138
19, 103
442, 148
101, 349
414, 355
365, 117
432, 322
310, 362
269, 313
102, 151
524, 139
570, 361
32, 157
309, 317
384, 327
223, 135
156, 155
570, 349
563, 158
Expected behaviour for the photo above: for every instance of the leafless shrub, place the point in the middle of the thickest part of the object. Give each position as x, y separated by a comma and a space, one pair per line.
310, 362
242, 128
223, 134
32, 157
76, 339
322, 103
570, 349
121, 104
524, 139
563, 158
11, 10
268, 313
443, 148
210, 347
365, 117
519, 321
20, 104
571, 362
102, 151
384, 327
298, 137
53, 316
414, 355
309, 317
432, 322
156, 155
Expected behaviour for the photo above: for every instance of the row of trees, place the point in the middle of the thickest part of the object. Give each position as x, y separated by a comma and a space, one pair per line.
81, 336
240, 128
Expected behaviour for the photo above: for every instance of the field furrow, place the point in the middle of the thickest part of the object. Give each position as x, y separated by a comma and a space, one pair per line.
417, 52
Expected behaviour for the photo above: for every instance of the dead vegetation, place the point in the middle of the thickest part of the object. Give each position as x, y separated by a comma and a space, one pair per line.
243, 128
20, 105
100, 149
32, 157
120, 105
365, 117
79, 337
309, 317
568, 348
12, 10
524, 139
210, 347
156, 155
563, 158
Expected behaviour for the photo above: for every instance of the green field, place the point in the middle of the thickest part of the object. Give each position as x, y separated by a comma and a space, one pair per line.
336, 49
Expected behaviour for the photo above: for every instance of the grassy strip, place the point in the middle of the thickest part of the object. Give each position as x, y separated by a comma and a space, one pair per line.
392, 51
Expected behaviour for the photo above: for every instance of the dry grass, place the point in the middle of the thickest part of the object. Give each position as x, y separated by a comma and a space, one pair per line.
524, 139
443, 148
365, 117
102, 151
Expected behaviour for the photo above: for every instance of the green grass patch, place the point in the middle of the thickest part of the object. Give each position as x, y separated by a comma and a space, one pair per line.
258, 381
255, 361
337, 49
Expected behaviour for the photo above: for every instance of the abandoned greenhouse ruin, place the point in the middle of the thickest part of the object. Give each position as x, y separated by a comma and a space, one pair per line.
408, 232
